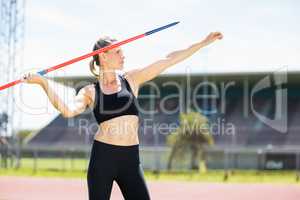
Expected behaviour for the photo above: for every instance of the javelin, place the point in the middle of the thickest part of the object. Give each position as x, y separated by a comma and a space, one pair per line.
45, 71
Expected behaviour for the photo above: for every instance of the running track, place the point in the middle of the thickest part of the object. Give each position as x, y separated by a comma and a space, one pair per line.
24, 188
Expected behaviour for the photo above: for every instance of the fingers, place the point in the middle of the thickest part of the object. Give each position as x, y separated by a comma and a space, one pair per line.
218, 35
32, 78
26, 77
213, 36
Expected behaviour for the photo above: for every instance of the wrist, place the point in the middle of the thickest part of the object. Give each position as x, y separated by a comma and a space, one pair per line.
205, 42
43, 82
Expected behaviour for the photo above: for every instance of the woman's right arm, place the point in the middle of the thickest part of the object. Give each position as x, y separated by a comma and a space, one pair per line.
77, 106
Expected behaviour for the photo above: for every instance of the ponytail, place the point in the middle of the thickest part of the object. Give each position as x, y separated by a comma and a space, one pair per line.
93, 68
102, 42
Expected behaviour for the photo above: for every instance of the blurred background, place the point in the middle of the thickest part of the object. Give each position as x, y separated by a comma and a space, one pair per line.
242, 89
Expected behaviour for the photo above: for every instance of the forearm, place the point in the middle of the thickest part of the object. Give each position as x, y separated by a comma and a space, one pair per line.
173, 58
170, 60
55, 100
180, 55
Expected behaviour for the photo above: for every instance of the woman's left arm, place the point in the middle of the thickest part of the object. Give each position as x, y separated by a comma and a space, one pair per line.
149, 72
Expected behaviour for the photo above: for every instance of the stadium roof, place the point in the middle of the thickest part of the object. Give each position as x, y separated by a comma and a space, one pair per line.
293, 76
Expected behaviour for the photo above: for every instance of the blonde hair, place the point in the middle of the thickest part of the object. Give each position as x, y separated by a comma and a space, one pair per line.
102, 42
93, 68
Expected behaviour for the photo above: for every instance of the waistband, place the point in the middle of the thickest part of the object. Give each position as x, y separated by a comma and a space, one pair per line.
117, 147
123, 155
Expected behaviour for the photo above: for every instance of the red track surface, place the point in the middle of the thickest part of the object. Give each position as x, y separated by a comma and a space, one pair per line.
23, 188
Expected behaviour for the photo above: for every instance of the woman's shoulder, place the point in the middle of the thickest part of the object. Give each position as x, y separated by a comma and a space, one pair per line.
90, 90
127, 75
130, 72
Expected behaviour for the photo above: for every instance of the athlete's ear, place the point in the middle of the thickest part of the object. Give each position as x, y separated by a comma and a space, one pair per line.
102, 56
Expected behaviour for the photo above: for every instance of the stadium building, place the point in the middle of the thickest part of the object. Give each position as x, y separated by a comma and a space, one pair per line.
247, 112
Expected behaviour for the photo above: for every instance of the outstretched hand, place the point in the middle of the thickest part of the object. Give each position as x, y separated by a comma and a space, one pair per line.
213, 36
32, 78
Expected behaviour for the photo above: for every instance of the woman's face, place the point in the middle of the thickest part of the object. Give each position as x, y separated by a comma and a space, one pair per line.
113, 59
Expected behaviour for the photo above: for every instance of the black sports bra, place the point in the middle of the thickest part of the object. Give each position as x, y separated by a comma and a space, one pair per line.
108, 106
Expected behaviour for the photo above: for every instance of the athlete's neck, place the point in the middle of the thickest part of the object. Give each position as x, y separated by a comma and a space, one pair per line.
108, 77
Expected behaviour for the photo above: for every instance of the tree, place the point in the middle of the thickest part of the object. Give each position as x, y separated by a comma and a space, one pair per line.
190, 137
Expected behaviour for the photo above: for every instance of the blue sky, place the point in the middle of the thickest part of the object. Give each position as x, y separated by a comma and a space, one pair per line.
258, 36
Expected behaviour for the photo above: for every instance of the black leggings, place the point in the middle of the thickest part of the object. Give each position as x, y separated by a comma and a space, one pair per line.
120, 163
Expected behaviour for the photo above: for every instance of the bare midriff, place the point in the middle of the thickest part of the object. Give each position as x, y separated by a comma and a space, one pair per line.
122, 130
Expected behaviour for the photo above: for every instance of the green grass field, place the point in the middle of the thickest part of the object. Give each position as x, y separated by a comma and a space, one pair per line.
77, 169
